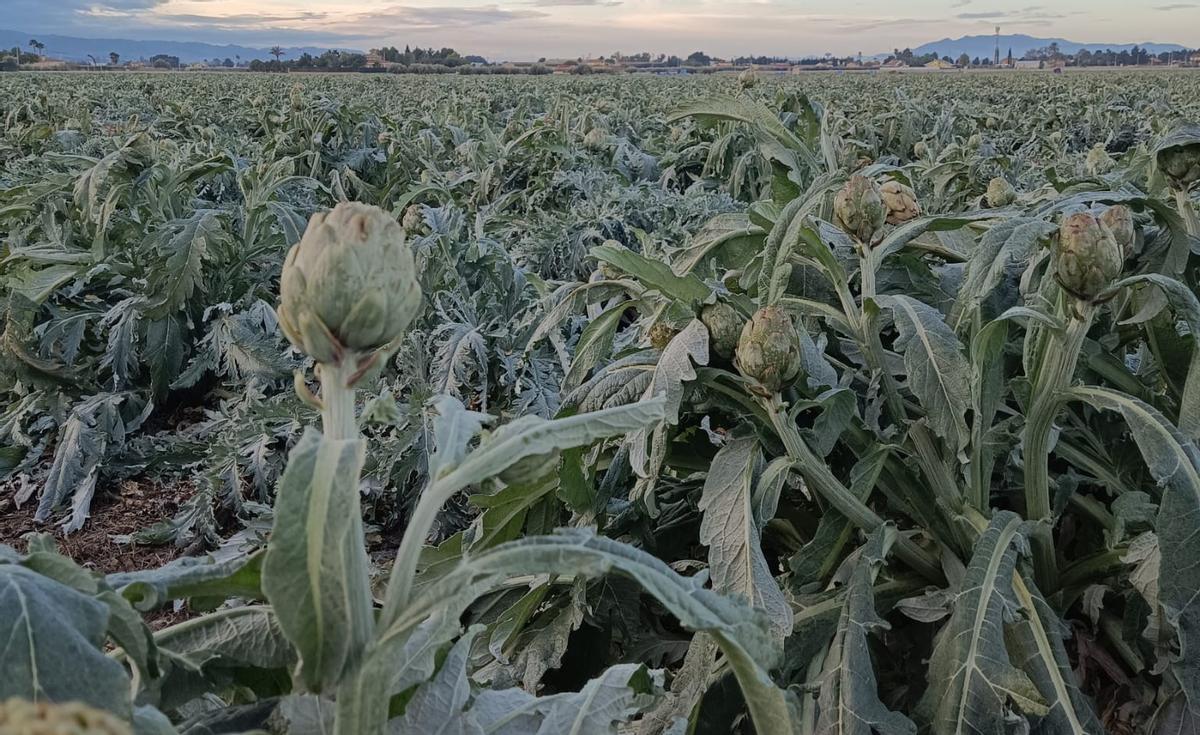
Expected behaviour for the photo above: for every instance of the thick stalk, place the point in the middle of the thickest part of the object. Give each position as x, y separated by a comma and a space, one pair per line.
1053, 377
818, 475
337, 401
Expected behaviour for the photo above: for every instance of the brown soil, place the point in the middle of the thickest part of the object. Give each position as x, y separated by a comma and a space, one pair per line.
131, 507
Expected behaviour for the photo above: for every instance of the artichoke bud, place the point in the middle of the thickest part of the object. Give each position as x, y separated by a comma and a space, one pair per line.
1000, 193
858, 208
724, 328
900, 201
1118, 220
747, 79
768, 349
414, 218
1178, 157
47, 718
596, 140
349, 285
1087, 258
921, 149
1098, 161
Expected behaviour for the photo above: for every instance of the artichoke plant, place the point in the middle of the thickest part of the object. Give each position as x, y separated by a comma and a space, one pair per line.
724, 328
1087, 257
1098, 161
349, 285
768, 350
900, 201
859, 209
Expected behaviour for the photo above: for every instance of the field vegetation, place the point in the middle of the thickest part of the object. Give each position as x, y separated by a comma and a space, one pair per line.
835, 404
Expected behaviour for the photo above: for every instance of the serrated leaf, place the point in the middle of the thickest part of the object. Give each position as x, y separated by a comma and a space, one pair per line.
938, 372
734, 536
972, 681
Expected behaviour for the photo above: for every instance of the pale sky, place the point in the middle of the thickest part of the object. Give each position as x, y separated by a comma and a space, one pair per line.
525, 29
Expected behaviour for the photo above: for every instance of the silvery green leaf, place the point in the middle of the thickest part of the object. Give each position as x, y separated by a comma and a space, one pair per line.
454, 428
972, 680
1174, 461
315, 571
1009, 242
849, 698
436, 707
733, 535
938, 372
242, 636
51, 644
612, 698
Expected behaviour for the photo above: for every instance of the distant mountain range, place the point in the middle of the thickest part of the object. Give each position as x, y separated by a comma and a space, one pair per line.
71, 48
984, 46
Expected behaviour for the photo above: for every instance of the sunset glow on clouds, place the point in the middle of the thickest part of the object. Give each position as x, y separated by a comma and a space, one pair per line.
520, 29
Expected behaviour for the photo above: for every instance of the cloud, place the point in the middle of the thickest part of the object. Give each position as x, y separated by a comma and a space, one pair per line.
576, 3
1176, 6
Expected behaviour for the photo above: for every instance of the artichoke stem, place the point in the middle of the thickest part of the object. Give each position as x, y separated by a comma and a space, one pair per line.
1053, 377
337, 400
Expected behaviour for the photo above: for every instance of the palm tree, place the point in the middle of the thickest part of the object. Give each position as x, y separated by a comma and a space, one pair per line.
277, 52
36, 45
114, 58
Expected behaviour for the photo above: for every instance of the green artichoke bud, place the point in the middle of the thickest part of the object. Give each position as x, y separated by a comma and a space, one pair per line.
747, 79
724, 328
769, 349
529, 469
921, 149
1087, 258
1098, 161
975, 140
1178, 157
858, 208
21, 717
900, 201
349, 285
1118, 220
1000, 193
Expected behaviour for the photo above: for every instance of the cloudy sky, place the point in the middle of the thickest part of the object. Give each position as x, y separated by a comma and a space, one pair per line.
523, 29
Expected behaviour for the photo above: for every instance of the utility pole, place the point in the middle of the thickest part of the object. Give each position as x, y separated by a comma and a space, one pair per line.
996, 58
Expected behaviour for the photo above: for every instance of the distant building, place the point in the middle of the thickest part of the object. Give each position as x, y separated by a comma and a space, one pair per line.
894, 64
940, 64
1028, 64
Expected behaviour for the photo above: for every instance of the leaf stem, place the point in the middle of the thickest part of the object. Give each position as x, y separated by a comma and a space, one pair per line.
1053, 377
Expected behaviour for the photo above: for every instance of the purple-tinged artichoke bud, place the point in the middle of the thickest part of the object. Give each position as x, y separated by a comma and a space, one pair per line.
349, 285
661, 335
724, 328
858, 208
768, 349
1118, 220
900, 201
1000, 193
1087, 258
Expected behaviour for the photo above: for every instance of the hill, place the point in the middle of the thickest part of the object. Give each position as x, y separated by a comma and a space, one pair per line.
983, 46
72, 48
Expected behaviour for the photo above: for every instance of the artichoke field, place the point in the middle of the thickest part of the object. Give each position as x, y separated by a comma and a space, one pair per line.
854, 404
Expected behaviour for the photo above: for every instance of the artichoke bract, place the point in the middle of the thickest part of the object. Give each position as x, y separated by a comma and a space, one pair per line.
21, 717
1118, 220
724, 328
1087, 258
1178, 157
900, 202
768, 349
1000, 193
859, 209
349, 285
